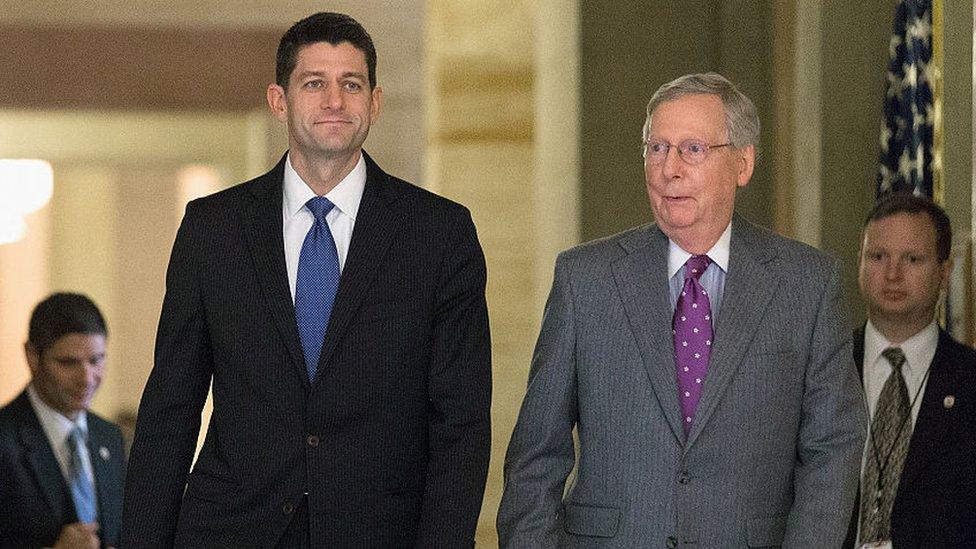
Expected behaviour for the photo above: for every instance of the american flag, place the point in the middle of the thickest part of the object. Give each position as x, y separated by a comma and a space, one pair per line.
909, 110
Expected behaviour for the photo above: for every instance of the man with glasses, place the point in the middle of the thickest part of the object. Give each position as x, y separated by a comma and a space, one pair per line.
703, 362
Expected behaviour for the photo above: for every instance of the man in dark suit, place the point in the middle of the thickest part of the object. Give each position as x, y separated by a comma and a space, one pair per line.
339, 315
701, 361
61, 465
918, 484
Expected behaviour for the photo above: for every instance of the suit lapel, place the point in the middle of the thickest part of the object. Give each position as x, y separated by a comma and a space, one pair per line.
749, 287
641, 278
858, 349
376, 224
262, 217
41, 460
99, 456
932, 425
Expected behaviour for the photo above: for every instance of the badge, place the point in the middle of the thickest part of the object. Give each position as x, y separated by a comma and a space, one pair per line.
949, 402
103, 451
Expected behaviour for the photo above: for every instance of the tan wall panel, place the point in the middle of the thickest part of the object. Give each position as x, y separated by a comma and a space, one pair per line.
83, 258
481, 151
147, 227
111, 68
23, 282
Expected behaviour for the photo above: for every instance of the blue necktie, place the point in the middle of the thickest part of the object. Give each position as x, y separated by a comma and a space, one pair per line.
317, 283
82, 491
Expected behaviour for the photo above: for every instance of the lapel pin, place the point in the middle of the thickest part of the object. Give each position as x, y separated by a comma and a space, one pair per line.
103, 451
949, 401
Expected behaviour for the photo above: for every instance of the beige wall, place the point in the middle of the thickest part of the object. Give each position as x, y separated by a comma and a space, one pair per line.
23, 277
857, 33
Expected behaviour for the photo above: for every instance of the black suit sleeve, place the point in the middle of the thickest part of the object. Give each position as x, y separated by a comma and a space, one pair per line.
169, 413
460, 396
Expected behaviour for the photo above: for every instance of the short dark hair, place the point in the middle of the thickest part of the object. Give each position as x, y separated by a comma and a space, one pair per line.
334, 28
60, 314
903, 202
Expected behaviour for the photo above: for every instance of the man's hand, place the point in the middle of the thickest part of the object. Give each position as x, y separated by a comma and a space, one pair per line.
79, 535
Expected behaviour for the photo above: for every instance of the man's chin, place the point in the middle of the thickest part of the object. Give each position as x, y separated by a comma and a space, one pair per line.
899, 313
336, 150
674, 223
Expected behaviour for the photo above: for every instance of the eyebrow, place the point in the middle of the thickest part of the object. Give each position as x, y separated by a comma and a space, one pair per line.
76, 359
348, 74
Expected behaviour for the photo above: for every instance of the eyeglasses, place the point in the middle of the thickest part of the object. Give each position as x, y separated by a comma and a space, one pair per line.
692, 151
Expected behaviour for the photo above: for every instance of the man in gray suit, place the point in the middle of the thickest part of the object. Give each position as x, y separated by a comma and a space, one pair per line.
704, 363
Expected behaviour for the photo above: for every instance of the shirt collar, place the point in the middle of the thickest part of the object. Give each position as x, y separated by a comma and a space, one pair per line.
56, 426
346, 196
920, 345
719, 254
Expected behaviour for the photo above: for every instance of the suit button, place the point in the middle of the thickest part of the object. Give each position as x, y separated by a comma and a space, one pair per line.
672, 542
288, 509
683, 478
312, 440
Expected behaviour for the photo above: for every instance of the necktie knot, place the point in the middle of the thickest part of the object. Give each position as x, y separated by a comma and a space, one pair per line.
320, 206
76, 441
896, 357
696, 265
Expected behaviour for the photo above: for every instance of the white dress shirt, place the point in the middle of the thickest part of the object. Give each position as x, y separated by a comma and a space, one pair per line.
713, 279
57, 428
297, 219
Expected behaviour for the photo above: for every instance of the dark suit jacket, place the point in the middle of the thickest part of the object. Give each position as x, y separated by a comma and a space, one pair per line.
35, 502
936, 501
391, 439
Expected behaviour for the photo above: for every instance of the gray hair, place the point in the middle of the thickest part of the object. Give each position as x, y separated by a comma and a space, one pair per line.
741, 120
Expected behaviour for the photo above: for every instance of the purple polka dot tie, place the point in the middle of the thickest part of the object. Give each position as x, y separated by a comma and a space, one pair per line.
692, 329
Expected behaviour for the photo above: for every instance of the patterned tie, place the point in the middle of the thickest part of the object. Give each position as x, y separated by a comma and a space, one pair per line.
886, 454
692, 329
82, 491
316, 284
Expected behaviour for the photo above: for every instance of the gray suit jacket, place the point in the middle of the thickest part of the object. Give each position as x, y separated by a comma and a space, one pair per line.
773, 455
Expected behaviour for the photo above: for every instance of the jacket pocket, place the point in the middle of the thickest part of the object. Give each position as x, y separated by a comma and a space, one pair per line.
212, 489
588, 520
766, 531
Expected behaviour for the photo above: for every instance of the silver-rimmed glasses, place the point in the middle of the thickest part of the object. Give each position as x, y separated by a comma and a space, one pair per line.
692, 151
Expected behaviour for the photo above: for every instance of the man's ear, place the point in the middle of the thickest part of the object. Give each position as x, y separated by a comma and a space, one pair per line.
946, 269
277, 103
747, 163
33, 358
376, 103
